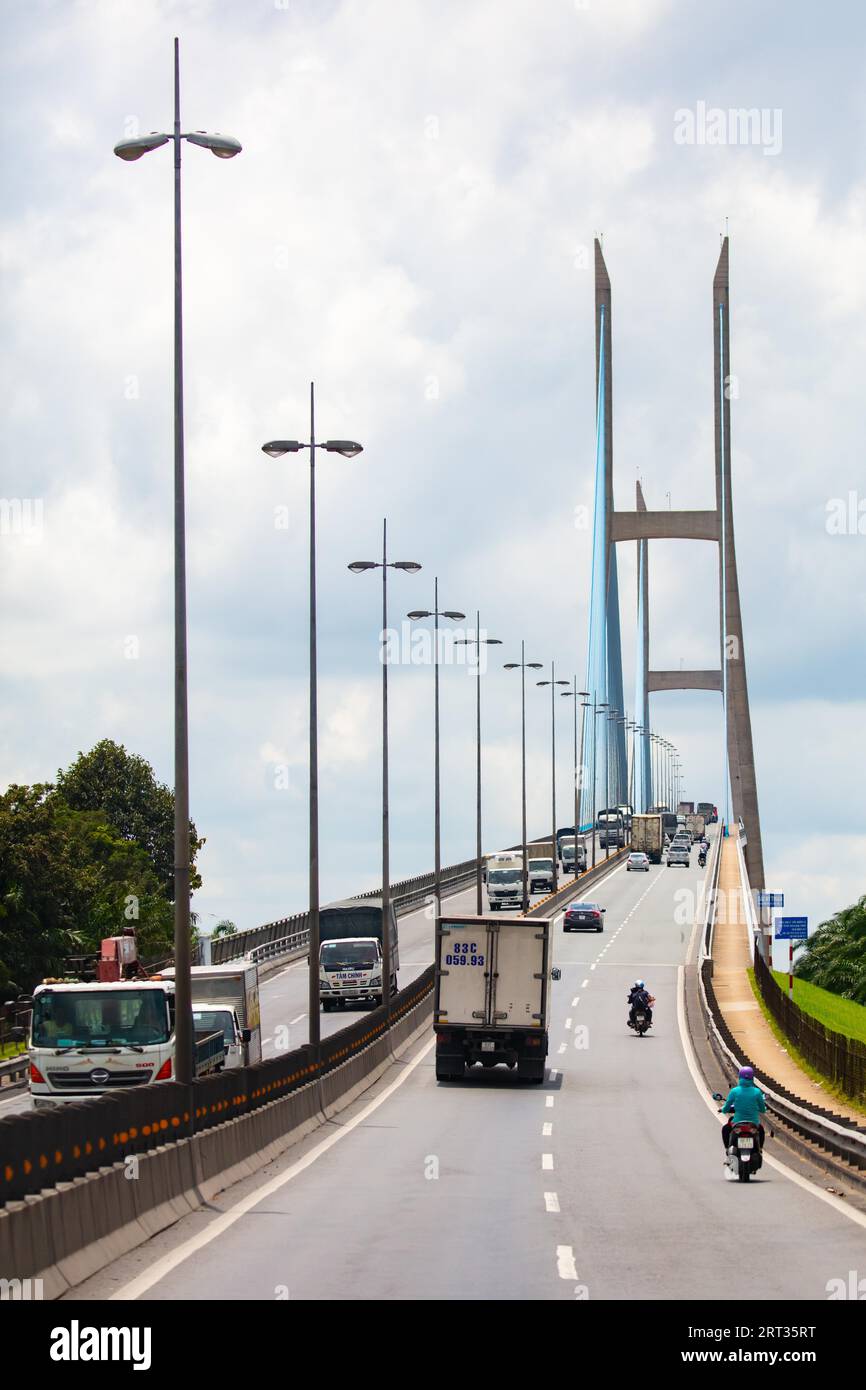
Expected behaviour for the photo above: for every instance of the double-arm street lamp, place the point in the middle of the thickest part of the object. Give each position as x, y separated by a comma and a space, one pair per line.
276, 448
478, 642
409, 567
224, 147
523, 666
553, 683
436, 613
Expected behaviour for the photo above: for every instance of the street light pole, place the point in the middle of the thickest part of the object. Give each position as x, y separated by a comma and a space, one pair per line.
578, 759
523, 665
276, 448
224, 147
436, 613
598, 710
553, 683
478, 641
410, 567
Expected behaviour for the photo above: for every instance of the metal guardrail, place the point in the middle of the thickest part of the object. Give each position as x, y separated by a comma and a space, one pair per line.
563, 896
833, 1133
282, 946
62, 1142
405, 895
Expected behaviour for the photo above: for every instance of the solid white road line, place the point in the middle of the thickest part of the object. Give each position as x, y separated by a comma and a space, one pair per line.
691, 1062
551, 1202
136, 1287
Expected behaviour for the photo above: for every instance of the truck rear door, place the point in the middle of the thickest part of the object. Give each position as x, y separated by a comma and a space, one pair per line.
520, 974
464, 973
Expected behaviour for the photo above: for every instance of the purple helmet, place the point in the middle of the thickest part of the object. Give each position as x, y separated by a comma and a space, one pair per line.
747, 1073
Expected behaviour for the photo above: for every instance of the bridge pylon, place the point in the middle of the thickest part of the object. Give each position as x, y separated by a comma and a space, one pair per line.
716, 526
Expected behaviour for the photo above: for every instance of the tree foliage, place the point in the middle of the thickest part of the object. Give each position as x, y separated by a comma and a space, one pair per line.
834, 956
123, 787
81, 860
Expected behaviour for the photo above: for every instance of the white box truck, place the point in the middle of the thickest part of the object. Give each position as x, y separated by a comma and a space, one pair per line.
492, 994
567, 854
226, 997
504, 881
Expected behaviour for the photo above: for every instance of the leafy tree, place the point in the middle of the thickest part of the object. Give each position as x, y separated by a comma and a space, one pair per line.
224, 928
123, 787
42, 895
67, 879
834, 956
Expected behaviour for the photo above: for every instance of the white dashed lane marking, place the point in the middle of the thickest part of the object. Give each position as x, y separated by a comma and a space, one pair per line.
551, 1202
547, 1162
565, 1266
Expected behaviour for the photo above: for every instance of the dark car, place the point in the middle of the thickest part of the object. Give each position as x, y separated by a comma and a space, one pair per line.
584, 917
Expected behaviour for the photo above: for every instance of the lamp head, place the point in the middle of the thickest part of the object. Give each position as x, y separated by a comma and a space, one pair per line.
347, 447
142, 144
223, 146
275, 448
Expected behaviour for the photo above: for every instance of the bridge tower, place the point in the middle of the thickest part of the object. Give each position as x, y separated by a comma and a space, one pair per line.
642, 526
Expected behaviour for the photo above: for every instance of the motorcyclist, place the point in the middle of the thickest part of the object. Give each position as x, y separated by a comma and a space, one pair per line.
702, 856
640, 998
746, 1104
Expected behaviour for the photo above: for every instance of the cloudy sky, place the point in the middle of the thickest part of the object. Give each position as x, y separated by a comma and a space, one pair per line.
410, 225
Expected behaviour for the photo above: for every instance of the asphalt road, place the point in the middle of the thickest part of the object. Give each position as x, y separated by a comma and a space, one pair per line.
605, 1182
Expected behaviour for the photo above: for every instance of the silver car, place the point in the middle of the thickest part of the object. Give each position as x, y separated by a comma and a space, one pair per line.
637, 860
678, 854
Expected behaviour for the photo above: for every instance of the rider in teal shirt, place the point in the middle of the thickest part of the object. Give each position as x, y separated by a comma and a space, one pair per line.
746, 1104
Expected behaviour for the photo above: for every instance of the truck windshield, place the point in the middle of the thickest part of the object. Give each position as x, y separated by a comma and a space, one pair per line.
100, 1018
215, 1021
544, 865
504, 876
348, 955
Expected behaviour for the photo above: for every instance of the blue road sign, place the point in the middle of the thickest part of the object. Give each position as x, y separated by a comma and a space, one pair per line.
770, 899
792, 928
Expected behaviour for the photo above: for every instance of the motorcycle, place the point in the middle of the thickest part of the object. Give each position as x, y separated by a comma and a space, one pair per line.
702, 859
641, 1022
744, 1155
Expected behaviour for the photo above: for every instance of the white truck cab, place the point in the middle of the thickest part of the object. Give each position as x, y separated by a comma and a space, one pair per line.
87, 1039
505, 881
350, 968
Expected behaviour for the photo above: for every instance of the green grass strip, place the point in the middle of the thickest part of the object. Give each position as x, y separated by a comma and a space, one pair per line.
831, 1090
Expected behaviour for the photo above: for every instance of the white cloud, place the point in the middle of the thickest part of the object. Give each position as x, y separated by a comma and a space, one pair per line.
403, 227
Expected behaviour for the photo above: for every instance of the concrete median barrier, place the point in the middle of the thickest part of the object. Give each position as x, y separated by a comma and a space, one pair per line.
65, 1233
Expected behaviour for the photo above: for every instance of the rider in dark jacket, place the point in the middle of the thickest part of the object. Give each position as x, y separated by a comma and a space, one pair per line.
640, 998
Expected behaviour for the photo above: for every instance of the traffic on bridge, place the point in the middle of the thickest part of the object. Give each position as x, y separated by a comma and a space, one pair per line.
353, 950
